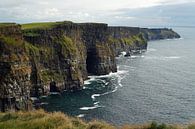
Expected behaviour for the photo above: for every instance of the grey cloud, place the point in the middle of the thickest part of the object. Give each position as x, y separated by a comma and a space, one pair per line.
49, 10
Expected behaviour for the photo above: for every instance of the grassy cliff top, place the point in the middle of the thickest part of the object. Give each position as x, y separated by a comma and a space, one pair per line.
41, 120
43, 25
7, 24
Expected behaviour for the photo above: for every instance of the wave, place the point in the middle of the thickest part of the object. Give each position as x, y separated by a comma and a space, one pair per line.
106, 83
162, 57
122, 54
120, 74
96, 103
44, 96
34, 98
84, 87
90, 108
111, 74
172, 57
81, 115
44, 103
175, 39
136, 56
87, 82
95, 95
54, 93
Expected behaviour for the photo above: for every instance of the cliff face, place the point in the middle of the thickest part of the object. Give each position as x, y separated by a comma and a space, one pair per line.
15, 69
59, 58
66, 54
39, 58
128, 39
157, 34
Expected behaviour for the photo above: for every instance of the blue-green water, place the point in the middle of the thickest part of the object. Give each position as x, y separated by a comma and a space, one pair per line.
157, 85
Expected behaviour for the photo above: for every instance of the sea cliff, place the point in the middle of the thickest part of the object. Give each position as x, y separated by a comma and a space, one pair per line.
39, 58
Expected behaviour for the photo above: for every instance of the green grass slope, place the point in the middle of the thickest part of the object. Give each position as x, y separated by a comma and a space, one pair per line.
40, 119
42, 25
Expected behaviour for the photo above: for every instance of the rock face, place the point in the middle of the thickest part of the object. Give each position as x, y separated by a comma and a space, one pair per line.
39, 58
15, 70
127, 39
157, 34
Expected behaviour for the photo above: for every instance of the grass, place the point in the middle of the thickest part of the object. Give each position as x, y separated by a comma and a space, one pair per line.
40, 119
49, 75
42, 25
6, 24
68, 47
31, 49
11, 41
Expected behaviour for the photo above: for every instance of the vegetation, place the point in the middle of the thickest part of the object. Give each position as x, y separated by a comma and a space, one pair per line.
42, 25
49, 75
129, 40
40, 119
11, 41
6, 24
31, 49
68, 47
31, 33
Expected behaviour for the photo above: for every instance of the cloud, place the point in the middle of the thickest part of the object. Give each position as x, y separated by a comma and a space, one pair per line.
114, 12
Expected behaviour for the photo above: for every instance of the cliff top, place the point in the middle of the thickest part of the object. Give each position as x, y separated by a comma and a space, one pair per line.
7, 24
43, 25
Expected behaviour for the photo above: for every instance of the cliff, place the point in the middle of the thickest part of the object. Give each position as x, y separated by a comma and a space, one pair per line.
15, 69
39, 58
157, 34
127, 39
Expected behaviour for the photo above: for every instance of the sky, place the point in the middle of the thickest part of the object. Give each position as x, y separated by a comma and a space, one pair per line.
114, 12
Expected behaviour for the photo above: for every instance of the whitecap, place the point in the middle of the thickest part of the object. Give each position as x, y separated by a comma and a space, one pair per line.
95, 95
120, 74
106, 83
123, 53
172, 57
134, 56
89, 108
33, 98
84, 87
81, 115
54, 93
44, 96
162, 57
96, 103
87, 82
44, 103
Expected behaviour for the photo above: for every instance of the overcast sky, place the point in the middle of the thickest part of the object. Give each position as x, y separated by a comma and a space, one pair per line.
113, 12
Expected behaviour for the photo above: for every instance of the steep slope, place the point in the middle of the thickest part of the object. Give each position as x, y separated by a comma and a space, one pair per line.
15, 69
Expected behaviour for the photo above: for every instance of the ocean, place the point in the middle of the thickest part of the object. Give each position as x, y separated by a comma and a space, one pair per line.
157, 85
